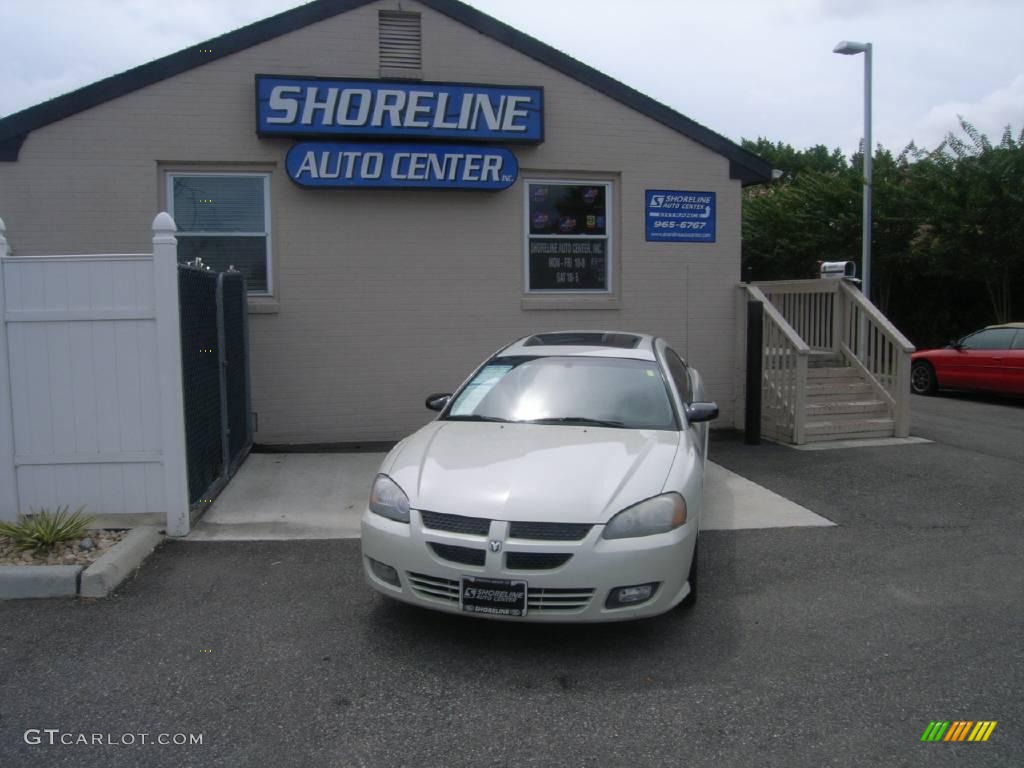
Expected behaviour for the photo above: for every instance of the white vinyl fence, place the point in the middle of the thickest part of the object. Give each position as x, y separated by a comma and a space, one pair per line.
91, 385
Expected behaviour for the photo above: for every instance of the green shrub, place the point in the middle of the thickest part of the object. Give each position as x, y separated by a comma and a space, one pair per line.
42, 530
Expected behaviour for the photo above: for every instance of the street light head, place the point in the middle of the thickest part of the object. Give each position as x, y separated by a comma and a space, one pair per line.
849, 49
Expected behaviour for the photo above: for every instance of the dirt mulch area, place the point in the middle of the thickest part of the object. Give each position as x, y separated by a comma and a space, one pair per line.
82, 551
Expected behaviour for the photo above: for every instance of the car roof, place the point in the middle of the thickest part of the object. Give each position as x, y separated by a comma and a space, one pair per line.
1005, 325
638, 346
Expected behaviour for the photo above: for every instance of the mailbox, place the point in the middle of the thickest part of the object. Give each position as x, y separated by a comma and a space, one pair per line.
838, 269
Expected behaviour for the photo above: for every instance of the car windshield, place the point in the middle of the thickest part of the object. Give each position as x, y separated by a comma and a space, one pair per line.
594, 391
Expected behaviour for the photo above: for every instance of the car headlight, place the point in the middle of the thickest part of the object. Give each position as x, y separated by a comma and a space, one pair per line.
387, 499
659, 514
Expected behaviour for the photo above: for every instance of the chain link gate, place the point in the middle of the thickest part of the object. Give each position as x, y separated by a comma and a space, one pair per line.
215, 378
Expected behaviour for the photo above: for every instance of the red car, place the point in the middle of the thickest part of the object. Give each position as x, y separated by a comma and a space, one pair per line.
989, 360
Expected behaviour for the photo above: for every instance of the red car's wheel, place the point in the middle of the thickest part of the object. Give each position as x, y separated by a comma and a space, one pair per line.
922, 378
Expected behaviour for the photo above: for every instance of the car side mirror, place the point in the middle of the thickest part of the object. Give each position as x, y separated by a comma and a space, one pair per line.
955, 344
438, 400
698, 412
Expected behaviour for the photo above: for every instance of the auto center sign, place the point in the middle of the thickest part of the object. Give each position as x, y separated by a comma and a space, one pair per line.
330, 164
342, 109
298, 106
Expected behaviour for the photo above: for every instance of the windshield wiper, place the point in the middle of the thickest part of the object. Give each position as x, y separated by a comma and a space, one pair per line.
474, 417
576, 420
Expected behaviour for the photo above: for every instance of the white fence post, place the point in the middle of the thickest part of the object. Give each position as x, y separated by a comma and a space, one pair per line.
172, 408
8, 475
740, 366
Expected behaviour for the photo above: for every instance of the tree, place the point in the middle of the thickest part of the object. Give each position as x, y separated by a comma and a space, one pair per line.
947, 227
810, 212
793, 162
972, 229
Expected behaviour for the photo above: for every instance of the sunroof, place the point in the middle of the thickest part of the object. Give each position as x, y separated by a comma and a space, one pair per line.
583, 339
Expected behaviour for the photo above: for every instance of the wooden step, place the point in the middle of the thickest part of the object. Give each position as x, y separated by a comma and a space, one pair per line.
882, 433
833, 372
864, 408
824, 359
838, 390
844, 428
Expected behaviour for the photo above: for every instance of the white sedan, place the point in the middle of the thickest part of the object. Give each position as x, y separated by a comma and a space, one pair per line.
563, 481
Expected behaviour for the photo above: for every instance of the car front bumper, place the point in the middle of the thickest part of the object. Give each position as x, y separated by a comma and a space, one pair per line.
575, 591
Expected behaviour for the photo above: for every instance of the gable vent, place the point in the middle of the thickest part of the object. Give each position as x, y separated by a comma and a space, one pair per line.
401, 44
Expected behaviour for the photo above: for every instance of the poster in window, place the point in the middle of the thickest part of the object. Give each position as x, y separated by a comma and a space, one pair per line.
567, 210
568, 264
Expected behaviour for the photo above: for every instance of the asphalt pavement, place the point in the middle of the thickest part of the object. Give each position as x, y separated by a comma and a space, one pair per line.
984, 424
831, 646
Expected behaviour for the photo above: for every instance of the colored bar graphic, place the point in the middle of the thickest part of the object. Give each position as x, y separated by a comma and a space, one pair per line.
959, 730
982, 730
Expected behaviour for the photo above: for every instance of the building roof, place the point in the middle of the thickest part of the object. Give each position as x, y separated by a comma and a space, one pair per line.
743, 165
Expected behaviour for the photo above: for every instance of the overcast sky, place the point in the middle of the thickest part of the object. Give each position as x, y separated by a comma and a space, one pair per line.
745, 68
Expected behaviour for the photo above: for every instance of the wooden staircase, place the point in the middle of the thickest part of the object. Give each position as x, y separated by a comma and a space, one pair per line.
840, 404
833, 367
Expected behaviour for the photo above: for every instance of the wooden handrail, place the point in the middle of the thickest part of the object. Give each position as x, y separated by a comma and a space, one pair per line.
800, 286
877, 317
799, 345
785, 356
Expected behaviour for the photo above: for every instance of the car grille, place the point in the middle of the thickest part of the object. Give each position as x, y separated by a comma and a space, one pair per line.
550, 531
535, 561
480, 526
455, 523
463, 555
548, 599
432, 586
539, 599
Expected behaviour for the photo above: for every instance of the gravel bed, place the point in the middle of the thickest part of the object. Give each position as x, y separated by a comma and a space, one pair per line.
82, 551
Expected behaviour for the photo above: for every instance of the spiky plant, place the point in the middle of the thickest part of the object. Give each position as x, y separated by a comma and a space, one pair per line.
40, 530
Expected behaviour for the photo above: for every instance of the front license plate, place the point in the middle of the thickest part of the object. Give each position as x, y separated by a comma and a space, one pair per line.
497, 597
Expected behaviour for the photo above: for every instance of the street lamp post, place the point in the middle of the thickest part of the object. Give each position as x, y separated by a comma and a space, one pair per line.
850, 49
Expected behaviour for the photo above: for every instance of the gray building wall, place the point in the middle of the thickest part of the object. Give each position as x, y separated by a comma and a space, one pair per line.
382, 296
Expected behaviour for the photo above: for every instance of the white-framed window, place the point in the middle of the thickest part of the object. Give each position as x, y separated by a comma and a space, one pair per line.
224, 219
568, 236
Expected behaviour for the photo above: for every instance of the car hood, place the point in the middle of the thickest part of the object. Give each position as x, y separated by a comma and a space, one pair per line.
531, 471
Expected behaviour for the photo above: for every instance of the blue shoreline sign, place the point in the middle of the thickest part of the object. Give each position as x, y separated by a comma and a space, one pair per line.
332, 107
432, 166
676, 216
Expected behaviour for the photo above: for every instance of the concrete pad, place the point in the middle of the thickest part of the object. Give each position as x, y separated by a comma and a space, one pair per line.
277, 496
25, 581
103, 576
732, 502
878, 442
292, 496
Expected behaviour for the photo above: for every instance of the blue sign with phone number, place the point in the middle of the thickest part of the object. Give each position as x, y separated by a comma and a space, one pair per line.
676, 216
